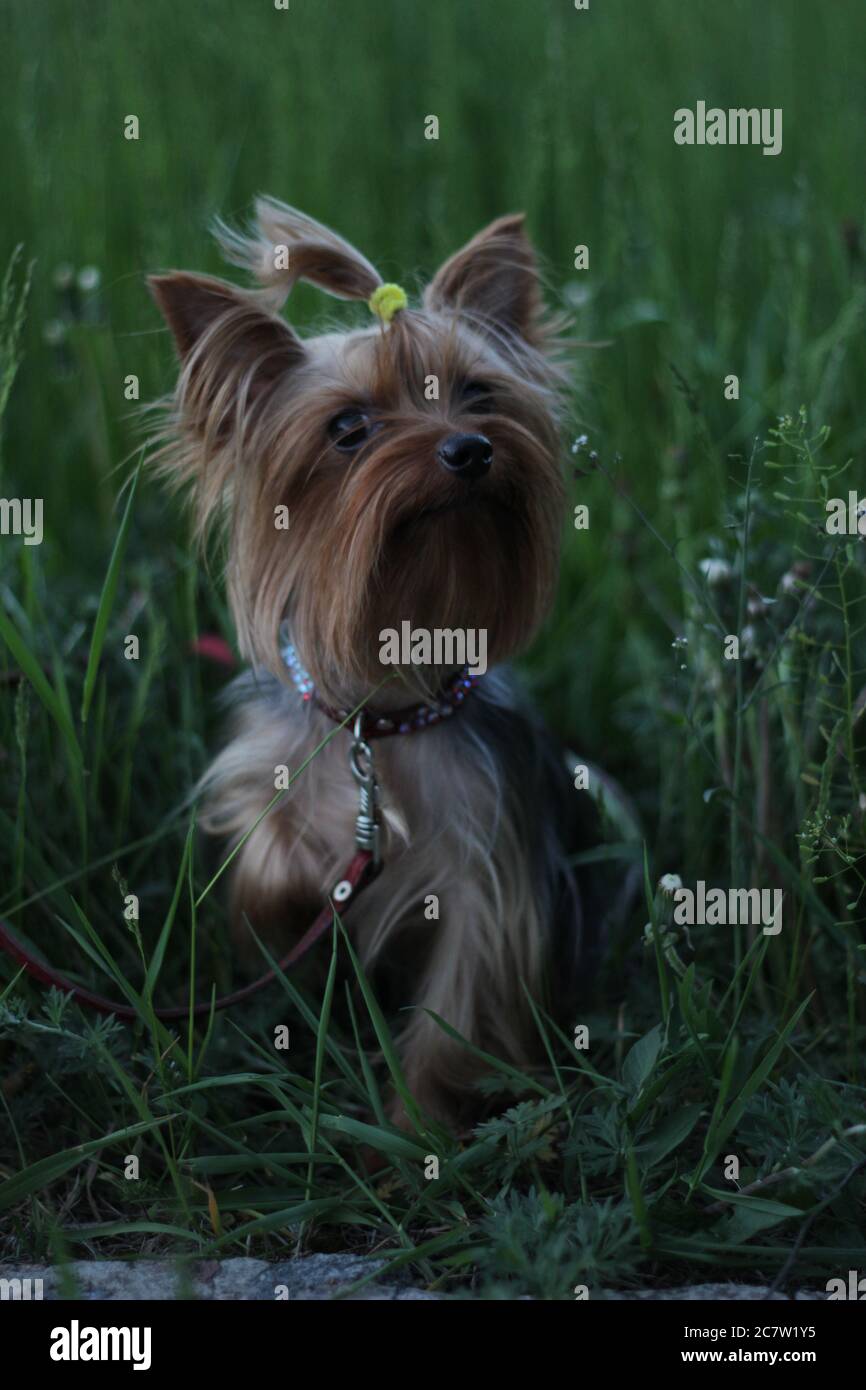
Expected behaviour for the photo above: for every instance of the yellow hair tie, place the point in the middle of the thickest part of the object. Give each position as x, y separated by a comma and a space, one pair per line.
386, 301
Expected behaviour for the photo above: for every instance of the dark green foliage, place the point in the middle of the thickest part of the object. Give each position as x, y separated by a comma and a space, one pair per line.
707, 518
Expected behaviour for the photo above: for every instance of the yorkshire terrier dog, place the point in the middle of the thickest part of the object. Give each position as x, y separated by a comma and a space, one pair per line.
417, 459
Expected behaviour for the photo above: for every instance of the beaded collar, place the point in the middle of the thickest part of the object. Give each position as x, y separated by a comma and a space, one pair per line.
384, 724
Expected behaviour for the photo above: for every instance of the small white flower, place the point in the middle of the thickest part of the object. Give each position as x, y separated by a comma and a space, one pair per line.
715, 571
577, 294
54, 332
669, 883
89, 278
790, 582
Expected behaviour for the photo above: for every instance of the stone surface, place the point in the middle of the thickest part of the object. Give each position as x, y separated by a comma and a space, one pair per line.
703, 1293
307, 1277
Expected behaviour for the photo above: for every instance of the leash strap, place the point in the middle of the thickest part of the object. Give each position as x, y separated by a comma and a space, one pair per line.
359, 873
361, 870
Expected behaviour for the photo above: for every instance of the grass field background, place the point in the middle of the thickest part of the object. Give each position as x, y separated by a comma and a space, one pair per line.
703, 262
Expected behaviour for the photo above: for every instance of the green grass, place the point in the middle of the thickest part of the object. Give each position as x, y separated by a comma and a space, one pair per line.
609, 1166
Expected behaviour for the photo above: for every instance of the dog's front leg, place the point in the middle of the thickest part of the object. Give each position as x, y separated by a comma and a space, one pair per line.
473, 980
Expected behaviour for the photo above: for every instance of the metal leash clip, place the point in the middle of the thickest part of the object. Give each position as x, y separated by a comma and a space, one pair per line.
367, 825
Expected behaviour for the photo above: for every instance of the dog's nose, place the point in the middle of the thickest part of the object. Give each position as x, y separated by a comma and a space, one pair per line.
467, 455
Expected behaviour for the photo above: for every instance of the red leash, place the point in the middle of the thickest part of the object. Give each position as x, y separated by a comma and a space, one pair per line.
362, 869
359, 873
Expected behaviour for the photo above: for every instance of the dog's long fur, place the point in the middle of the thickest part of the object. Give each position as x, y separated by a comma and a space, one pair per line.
473, 814
473, 808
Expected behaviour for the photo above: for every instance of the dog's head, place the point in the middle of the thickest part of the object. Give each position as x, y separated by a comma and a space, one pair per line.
406, 471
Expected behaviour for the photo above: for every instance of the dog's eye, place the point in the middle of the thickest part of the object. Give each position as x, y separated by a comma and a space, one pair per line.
477, 397
349, 430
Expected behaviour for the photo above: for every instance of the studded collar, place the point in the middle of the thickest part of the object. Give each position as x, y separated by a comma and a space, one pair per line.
386, 723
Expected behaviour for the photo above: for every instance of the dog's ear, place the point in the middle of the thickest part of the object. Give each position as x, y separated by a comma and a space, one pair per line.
285, 246
224, 338
493, 278
190, 305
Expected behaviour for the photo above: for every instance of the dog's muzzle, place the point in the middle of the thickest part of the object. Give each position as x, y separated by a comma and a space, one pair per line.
468, 456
